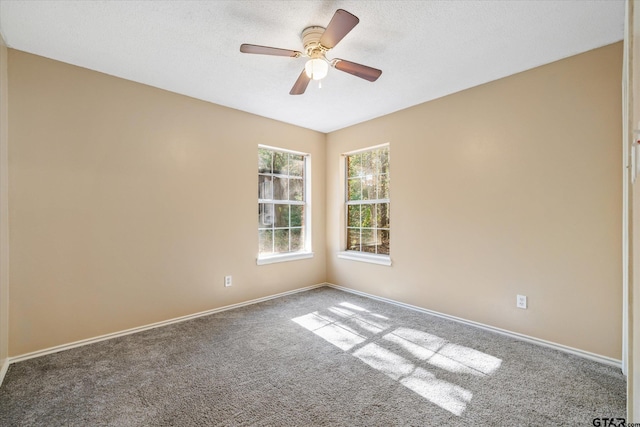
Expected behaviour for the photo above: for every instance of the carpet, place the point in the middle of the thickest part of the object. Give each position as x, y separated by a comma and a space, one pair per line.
322, 357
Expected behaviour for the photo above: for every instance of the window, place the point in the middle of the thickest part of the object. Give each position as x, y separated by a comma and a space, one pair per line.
283, 205
367, 203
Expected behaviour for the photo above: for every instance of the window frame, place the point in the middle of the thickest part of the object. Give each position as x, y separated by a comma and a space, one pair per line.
305, 252
355, 255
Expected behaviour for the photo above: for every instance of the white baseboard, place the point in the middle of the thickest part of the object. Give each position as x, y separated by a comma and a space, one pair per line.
577, 352
93, 340
3, 369
588, 355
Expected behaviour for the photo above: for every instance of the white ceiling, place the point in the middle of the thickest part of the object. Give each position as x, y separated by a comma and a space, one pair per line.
426, 49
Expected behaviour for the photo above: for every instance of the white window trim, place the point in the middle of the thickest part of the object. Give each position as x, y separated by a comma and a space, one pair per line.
365, 257
290, 256
307, 252
362, 150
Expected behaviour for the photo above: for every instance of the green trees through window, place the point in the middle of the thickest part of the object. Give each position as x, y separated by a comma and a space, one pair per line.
368, 201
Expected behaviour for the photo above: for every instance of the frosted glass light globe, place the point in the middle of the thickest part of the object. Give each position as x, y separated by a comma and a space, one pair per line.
316, 69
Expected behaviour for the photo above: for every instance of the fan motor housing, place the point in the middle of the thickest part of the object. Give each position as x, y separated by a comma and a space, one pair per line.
311, 40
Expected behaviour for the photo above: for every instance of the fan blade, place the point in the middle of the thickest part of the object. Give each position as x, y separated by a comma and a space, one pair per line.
301, 84
265, 50
340, 25
358, 70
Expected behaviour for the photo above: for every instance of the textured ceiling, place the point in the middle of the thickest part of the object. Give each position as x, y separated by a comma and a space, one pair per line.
426, 49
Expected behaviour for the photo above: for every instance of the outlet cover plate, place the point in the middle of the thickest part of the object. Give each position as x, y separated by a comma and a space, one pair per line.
521, 301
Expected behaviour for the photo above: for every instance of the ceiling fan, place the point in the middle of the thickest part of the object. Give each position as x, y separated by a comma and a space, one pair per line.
317, 41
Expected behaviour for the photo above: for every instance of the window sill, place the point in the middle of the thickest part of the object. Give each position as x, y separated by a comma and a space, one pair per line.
272, 259
364, 257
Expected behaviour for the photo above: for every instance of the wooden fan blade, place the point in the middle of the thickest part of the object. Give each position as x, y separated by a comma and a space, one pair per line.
358, 70
301, 84
340, 25
266, 50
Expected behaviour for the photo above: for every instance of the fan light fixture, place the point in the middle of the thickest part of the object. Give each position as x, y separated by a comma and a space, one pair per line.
317, 41
316, 69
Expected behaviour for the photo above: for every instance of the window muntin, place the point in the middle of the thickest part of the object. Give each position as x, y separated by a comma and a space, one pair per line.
368, 203
282, 202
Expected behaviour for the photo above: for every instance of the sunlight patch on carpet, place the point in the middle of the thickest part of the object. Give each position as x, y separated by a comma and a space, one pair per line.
364, 334
448, 396
443, 354
353, 306
337, 335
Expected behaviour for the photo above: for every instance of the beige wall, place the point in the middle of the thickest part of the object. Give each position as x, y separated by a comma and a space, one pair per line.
129, 204
512, 187
4, 223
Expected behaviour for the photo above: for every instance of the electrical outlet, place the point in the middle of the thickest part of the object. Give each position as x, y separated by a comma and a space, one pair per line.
227, 281
521, 301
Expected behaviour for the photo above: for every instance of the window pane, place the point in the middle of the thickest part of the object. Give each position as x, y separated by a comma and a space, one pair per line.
353, 239
264, 160
353, 216
296, 189
375, 160
367, 216
266, 241
280, 188
297, 240
265, 187
383, 242
367, 163
282, 216
382, 215
280, 163
297, 215
384, 160
282, 240
354, 189
369, 187
353, 165
383, 186
368, 241
296, 165
265, 215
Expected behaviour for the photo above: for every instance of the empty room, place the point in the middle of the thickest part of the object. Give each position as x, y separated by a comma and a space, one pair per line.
338, 213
